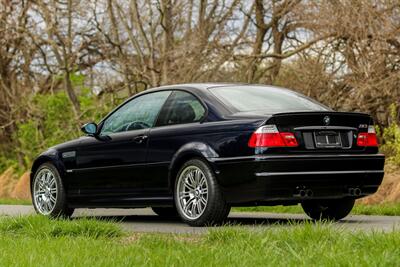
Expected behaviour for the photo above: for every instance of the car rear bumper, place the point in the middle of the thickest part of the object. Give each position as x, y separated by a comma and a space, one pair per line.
281, 178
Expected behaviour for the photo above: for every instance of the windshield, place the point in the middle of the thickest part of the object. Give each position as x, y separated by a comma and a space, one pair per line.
264, 98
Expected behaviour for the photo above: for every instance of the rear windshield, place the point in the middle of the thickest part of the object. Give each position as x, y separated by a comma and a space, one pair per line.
263, 98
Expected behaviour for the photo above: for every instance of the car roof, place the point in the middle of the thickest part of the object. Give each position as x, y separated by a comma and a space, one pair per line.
200, 86
204, 86
220, 109
201, 90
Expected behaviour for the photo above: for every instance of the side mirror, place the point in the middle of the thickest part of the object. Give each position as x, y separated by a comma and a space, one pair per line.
90, 128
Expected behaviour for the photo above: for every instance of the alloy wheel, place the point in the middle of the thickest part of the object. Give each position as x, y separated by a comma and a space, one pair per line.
45, 191
192, 192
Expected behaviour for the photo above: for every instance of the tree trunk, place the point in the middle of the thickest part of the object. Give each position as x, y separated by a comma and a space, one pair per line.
258, 43
166, 8
276, 62
70, 91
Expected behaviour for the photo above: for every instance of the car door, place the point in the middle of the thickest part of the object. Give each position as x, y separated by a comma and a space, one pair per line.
113, 164
176, 125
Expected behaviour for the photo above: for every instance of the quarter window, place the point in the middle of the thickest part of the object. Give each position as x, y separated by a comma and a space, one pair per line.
181, 107
139, 113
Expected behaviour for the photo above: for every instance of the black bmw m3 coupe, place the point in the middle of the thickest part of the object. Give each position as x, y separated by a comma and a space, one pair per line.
196, 150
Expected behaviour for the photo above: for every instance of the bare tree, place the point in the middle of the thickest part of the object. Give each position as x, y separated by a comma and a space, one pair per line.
168, 42
282, 31
16, 55
366, 48
65, 35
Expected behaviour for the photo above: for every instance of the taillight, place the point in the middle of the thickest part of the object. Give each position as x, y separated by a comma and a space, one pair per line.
367, 139
269, 136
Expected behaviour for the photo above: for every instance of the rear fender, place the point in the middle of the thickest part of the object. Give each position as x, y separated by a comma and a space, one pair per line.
186, 152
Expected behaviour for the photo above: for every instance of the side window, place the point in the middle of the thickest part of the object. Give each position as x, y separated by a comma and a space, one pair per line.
181, 107
139, 113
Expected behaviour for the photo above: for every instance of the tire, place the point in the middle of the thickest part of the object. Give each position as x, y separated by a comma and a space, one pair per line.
165, 212
48, 193
199, 202
227, 211
328, 209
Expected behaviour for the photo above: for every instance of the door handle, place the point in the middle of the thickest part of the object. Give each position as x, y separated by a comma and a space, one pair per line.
139, 139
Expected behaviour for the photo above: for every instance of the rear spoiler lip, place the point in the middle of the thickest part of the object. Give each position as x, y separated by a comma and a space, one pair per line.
328, 112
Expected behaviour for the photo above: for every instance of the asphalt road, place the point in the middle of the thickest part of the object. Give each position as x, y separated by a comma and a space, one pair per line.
144, 220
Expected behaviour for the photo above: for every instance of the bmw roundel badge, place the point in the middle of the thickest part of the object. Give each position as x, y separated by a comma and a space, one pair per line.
327, 120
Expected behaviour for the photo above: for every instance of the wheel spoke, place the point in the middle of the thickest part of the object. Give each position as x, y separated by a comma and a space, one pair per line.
197, 176
46, 177
193, 210
41, 182
203, 201
199, 208
202, 182
188, 185
184, 195
52, 199
204, 191
190, 202
45, 206
49, 206
38, 200
40, 191
192, 180
42, 177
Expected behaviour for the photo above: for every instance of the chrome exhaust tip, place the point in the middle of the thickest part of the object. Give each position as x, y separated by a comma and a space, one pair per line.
357, 191
309, 193
351, 191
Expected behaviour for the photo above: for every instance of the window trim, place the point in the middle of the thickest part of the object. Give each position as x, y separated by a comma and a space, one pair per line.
171, 90
201, 120
101, 123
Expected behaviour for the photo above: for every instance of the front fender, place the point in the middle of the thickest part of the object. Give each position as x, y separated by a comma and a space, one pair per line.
51, 156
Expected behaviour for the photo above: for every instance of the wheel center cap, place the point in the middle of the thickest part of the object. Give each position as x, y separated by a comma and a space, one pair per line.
47, 192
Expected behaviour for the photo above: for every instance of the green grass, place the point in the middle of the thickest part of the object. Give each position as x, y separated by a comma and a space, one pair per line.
13, 201
37, 241
388, 209
36, 226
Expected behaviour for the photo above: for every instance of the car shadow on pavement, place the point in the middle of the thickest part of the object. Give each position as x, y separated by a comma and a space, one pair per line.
232, 221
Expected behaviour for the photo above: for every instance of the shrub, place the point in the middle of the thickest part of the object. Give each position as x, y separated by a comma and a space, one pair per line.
391, 137
53, 121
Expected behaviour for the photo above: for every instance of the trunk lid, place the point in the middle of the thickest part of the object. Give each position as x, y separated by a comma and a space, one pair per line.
323, 131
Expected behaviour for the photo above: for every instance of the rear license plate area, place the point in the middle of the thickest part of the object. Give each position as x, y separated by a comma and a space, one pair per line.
327, 139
